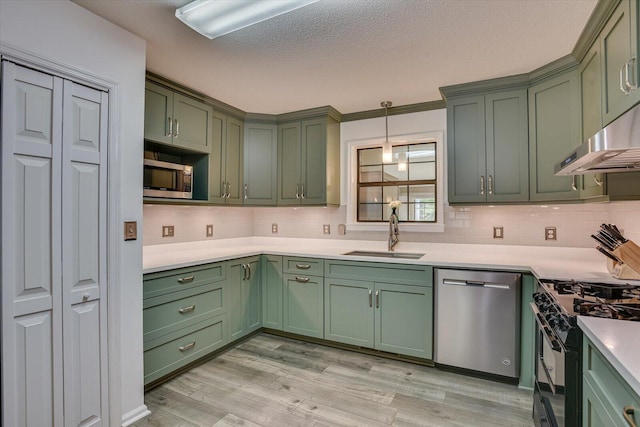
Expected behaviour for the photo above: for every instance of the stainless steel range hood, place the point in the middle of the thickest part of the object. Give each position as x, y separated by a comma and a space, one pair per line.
616, 148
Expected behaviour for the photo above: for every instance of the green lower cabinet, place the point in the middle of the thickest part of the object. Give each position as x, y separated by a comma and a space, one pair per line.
303, 311
348, 315
184, 349
404, 319
385, 316
243, 281
605, 393
272, 292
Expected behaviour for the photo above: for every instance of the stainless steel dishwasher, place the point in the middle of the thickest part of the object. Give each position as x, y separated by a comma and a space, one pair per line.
477, 319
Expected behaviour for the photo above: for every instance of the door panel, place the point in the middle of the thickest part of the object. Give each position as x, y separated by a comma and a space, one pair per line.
348, 315
404, 319
233, 160
251, 289
83, 366
217, 158
260, 164
272, 292
303, 305
192, 127
158, 113
314, 164
289, 158
235, 277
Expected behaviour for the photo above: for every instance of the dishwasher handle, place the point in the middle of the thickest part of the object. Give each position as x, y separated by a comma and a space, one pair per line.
475, 283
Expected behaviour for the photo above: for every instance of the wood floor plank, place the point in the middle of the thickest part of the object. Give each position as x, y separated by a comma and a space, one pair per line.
330, 396
272, 381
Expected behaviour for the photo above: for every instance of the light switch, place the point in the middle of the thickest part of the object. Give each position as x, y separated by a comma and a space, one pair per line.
274, 228
326, 229
130, 230
342, 229
209, 230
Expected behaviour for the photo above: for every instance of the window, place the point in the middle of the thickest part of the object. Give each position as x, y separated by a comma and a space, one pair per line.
410, 178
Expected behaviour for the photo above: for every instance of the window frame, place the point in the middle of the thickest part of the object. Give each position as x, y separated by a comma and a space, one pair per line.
399, 183
350, 184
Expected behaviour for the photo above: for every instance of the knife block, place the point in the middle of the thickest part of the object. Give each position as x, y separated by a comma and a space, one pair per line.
629, 268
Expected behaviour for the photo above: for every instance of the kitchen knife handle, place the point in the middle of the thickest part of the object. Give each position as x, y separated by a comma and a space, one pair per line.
629, 414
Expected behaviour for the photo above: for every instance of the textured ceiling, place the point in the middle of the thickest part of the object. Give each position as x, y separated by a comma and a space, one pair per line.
352, 54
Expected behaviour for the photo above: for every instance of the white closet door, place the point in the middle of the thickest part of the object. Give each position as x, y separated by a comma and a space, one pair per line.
84, 209
31, 242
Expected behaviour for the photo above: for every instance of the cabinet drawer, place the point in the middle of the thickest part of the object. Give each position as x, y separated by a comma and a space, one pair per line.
307, 266
410, 274
156, 284
614, 392
164, 318
164, 359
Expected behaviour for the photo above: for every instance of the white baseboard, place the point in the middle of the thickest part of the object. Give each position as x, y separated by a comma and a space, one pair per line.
135, 415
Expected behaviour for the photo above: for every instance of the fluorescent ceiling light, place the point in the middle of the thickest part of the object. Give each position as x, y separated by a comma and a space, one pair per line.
215, 18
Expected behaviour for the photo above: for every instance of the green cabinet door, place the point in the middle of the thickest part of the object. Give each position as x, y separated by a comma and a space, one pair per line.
243, 282
303, 305
225, 161
192, 124
158, 113
554, 131
466, 150
594, 413
289, 167
272, 292
616, 44
404, 319
233, 160
260, 164
313, 182
507, 147
348, 315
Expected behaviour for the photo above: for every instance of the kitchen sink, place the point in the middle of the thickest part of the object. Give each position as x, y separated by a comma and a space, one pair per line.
405, 255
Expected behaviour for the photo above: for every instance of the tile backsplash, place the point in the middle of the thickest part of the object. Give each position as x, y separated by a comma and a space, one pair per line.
522, 225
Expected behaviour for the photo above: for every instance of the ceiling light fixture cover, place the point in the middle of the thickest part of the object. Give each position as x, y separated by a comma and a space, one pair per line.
215, 18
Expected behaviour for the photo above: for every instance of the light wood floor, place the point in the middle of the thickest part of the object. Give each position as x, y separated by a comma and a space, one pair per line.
275, 381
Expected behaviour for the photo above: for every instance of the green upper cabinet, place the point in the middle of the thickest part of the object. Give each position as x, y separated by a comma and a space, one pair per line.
618, 45
260, 164
554, 131
488, 148
173, 118
225, 160
309, 162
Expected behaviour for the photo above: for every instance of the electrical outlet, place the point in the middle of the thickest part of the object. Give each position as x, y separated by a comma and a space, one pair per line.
274, 228
209, 230
550, 233
167, 230
342, 229
498, 232
326, 229
130, 230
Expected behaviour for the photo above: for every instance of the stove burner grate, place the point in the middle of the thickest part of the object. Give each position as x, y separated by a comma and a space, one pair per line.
622, 311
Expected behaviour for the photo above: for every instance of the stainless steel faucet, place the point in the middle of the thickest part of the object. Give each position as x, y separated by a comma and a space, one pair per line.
393, 231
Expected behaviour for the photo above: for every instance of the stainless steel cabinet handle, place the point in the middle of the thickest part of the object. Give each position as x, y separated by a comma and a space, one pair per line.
377, 299
303, 266
490, 184
187, 279
622, 83
597, 180
188, 309
177, 128
574, 185
627, 82
244, 271
245, 190
302, 192
188, 346
297, 191
228, 190
629, 414
482, 185
170, 126
302, 279
249, 271
224, 190
370, 298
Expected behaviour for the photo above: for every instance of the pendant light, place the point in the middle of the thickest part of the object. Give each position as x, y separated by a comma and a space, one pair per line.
387, 149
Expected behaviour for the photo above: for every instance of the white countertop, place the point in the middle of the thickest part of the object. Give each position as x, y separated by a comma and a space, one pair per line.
619, 342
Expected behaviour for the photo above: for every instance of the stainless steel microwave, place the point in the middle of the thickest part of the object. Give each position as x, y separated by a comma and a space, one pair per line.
171, 180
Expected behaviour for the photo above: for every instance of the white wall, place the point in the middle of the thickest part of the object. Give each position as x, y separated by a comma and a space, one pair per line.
65, 33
